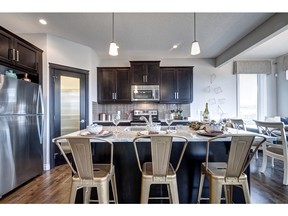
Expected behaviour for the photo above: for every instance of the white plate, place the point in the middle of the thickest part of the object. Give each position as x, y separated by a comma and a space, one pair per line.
103, 133
204, 133
147, 132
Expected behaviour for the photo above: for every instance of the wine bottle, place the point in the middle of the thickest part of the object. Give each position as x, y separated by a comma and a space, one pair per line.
206, 116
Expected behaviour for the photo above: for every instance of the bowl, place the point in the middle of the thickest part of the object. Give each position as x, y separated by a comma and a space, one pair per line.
154, 128
213, 128
94, 128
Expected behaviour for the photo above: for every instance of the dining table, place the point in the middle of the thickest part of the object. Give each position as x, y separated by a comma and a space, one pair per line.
128, 176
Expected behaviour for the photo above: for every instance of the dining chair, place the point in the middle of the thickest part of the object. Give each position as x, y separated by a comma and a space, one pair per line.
88, 174
159, 170
239, 124
230, 172
276, 150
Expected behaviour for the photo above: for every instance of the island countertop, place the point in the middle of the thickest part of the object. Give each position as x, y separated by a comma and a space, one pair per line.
128, 133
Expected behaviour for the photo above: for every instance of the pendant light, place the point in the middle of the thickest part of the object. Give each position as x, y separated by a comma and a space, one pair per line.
195, 49
113, 50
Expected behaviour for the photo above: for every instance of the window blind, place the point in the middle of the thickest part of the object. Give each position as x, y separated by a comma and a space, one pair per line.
252, 67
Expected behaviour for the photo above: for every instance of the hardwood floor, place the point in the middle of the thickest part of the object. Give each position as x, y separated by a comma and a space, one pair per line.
267, 187
53, 187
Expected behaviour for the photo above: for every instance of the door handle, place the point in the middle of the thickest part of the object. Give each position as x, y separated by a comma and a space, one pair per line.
82, 121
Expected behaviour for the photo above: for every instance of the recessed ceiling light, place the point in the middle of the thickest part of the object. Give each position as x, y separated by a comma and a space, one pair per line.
42, 21
175, 46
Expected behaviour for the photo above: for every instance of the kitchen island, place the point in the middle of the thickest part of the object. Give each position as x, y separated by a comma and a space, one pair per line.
128, 176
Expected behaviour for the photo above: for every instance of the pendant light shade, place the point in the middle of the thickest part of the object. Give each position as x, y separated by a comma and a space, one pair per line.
113, 49
195, 49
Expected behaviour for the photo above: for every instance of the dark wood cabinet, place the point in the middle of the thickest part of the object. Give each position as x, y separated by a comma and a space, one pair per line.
145, 72
27, 57
176, 84
20, 55
113, 85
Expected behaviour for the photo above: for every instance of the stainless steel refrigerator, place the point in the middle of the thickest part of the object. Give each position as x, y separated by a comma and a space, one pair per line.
21, 132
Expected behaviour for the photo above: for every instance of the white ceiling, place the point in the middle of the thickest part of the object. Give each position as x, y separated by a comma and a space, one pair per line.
146, 36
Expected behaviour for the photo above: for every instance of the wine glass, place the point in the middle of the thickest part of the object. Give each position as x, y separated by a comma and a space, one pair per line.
116, 120
169, 119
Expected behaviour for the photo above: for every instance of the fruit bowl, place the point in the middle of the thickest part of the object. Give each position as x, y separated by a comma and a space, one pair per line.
94, 128
154, 128
213, 128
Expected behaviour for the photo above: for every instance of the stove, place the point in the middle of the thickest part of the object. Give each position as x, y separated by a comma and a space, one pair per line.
144, 112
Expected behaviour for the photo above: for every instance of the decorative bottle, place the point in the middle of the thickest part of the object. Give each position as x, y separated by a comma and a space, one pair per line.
206, 116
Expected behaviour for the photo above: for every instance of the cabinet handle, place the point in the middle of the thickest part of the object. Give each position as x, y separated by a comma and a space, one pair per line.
146, 78
115, 97
143, 78
17, 55
177, 96
13, 54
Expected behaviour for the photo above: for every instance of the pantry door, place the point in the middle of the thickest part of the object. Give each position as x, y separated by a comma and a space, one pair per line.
69, 104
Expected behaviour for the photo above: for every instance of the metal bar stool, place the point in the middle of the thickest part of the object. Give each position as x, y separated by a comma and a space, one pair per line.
159, 170
230, 173
87, 174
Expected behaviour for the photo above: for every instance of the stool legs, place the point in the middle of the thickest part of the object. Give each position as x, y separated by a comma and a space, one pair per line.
201, 183
114, 189
145, 190
174, 192
215, 191
103, 193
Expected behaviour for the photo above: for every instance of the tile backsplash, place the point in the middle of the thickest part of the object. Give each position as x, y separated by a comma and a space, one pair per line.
126, 109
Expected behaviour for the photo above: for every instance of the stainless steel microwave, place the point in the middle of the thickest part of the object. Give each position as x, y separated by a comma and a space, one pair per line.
145, 93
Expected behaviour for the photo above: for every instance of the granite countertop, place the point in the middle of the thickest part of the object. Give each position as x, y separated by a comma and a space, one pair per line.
128, 133
127, 121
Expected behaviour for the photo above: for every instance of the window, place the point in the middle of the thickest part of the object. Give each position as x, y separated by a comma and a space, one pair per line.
251, 94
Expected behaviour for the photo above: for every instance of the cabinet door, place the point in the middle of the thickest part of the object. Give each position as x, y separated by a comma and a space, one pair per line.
168, 85
27, 56
152, 73
106, 85
6, 45
123, 87
145, 73
138, 73
185, 85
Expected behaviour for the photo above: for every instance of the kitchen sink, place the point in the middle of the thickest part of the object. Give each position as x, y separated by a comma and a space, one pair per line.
135, 128
142, 128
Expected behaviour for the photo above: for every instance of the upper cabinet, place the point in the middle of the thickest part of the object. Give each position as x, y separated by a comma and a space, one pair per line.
145, 72
113, 85
176, 84
19, 54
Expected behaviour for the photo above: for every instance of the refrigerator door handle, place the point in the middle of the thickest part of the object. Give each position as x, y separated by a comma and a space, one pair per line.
40, 103
40, 115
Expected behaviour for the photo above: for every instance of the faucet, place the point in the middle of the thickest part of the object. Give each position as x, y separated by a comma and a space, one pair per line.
150, 122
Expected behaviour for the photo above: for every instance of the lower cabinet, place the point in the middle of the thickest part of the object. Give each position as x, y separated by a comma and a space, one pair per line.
176, 84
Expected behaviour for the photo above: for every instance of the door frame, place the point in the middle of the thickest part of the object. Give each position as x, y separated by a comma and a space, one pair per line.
52, 68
